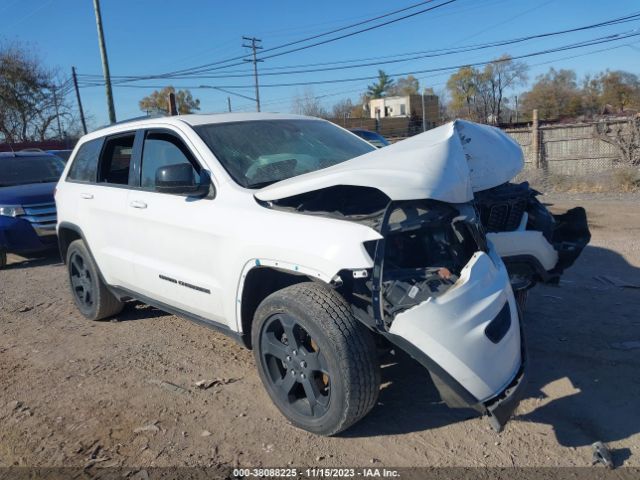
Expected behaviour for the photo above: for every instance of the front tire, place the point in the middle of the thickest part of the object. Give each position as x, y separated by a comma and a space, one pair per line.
92, 297
316, 361
3, 259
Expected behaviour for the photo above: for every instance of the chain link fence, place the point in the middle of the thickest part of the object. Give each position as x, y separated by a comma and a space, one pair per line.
573, 157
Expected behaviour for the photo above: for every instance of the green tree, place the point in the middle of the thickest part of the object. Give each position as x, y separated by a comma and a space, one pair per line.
404, 86
380, 88
620, 89
463, 88
554, 94
158, 101
480, 94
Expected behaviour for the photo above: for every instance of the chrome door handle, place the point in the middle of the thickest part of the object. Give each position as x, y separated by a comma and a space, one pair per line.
138, 204
86, 196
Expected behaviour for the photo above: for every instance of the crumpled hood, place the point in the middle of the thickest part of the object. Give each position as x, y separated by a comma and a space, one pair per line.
447, 163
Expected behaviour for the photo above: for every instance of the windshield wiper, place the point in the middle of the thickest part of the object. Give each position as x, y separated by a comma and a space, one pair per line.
262, 184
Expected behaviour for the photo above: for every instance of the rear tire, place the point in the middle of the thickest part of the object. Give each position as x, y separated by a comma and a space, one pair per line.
3, 259
92, 297
316, 361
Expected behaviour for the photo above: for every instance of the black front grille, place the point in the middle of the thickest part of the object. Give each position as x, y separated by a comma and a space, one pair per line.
505, 216
501, 208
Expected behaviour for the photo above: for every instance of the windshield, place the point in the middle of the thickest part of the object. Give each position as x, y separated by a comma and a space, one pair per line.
21, 170
261, 152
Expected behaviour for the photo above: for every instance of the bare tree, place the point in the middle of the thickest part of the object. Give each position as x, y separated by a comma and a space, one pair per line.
342, 109
31, 98
500, 75
624, 136
308, 104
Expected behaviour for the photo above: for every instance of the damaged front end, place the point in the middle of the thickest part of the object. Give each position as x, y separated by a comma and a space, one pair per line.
437, 290
535, 245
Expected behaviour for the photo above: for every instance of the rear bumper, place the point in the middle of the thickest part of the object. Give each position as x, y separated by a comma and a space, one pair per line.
18, 236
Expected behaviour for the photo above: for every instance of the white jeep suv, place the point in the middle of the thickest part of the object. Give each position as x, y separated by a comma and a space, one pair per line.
306, 244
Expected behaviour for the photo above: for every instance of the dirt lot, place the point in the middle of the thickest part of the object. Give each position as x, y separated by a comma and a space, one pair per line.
72, 389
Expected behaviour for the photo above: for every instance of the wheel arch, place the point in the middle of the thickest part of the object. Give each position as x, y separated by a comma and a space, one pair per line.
67, 233
257, 283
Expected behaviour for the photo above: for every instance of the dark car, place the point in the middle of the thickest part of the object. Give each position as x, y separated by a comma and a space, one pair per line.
373, 138
62, 154
27, 207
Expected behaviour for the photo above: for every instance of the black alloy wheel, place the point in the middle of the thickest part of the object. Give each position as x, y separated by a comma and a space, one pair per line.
296, 367
81, 281
317, 362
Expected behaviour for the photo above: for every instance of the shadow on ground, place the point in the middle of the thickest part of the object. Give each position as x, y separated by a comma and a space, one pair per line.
41, 259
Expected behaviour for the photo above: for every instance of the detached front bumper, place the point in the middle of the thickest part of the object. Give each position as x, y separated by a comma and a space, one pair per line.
469, 340
501, 408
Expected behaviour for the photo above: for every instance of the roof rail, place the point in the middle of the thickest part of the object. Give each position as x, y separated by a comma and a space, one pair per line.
129, 120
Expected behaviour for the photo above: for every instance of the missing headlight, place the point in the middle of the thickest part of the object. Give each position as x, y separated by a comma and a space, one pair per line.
426, 246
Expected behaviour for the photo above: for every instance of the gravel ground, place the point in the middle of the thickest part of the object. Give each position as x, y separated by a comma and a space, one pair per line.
122, 393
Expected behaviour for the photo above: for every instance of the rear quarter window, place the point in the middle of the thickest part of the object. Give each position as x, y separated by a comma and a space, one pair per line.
85, 164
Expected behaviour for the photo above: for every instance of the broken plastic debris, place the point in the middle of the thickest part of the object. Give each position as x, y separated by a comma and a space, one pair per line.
169, 386
601, 454
205, 384
152, 427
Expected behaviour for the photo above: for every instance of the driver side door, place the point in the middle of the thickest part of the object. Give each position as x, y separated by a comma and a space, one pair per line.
173, 241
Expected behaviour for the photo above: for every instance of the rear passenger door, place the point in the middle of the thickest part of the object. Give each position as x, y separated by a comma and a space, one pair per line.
102, 207
173, 245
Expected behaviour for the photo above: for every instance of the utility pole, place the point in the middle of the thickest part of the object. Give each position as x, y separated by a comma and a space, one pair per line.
229, 103
516, 108
55, 104
254, 46
75, 84
424, 115
105, 62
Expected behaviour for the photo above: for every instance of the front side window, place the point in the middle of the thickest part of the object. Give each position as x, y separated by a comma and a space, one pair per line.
25, 169
261, 152
116, 160
162, 149
85, 163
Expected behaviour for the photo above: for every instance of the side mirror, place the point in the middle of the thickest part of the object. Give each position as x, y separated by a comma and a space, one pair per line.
179, 180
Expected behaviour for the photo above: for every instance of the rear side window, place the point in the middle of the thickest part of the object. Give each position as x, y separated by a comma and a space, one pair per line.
161, 149
85, 163
116, 160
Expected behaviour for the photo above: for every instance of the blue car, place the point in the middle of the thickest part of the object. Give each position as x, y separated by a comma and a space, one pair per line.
373, 138
27, 207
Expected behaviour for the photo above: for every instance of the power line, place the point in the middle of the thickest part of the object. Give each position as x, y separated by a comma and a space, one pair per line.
339, 65
586, 43
198, 69
350, 34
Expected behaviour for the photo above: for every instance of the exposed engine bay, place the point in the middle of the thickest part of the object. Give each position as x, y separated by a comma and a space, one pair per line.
425, 246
